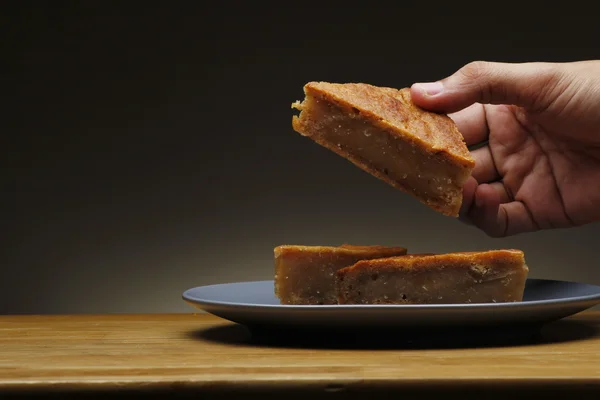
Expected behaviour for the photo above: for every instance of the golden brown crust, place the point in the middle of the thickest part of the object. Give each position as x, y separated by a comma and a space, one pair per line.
435, 261
491, 276
363, 251
392, 111
306, 274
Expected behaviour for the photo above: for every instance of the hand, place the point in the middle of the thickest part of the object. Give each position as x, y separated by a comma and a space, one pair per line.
539, 123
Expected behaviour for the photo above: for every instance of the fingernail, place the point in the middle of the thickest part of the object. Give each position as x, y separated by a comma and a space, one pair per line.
430, 88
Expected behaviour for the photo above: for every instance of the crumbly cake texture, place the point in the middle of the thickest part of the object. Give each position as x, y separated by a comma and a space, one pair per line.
305, 275
382, 132
494, 276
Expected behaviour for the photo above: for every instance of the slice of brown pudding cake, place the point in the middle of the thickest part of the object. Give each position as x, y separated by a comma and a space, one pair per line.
382, 132
494, 276
306, 274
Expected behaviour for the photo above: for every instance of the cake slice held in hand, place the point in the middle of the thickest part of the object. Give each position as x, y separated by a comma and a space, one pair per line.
305, 275
494, 276
381, 131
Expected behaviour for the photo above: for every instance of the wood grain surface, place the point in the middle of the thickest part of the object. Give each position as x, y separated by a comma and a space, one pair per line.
200, 353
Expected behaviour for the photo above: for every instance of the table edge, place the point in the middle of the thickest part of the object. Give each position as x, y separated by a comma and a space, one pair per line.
299, 384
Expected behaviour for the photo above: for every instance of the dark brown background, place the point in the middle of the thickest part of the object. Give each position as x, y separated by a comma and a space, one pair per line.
148, 149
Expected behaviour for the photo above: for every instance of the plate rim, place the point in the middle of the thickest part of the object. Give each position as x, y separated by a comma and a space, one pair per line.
593, 298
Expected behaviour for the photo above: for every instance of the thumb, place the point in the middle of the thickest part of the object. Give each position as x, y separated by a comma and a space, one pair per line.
528, 85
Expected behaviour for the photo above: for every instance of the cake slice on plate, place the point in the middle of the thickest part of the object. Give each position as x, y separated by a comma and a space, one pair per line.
306, 274
494, 276
381, 131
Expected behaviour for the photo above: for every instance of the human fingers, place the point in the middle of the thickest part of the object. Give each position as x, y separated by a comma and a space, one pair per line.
472, 123
485, 167
503, 194
498, 219
525, 84
469, 189
483, 212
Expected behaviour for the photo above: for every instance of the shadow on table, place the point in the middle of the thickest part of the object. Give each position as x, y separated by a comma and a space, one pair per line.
385, 339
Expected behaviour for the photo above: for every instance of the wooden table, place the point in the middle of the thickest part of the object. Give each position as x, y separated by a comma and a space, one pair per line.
199, 354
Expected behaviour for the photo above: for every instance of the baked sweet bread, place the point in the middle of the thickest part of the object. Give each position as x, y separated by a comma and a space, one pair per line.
494, 276
381, 131
306, 274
